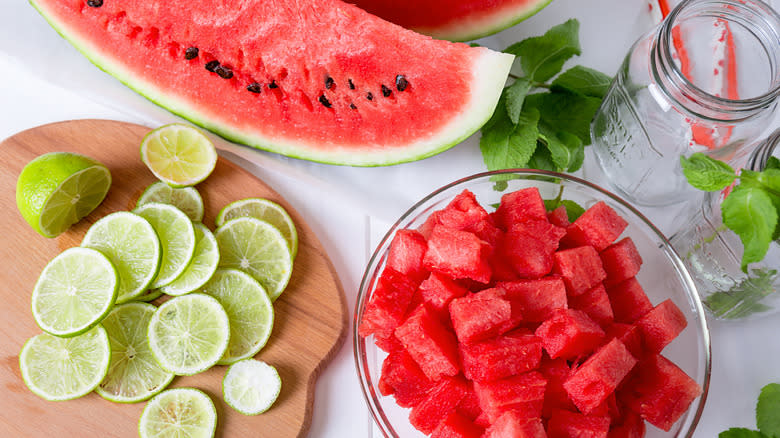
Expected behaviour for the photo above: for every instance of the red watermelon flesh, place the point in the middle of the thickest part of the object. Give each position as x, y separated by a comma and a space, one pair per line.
629, 335
438, 290
565, 424
456, 425
462, 213
598, 226
628, 300
595, 303
523, 394
440, 402
403, 378
430, 344
661, 325
388, 304
519, 206
511, 424
482, 315
537, 299
580, 269
321, 80
621, 261
569, 333
529, 247
457, 254
503, 356
631, 426
559, 217
469, 404
556, 371
406, 253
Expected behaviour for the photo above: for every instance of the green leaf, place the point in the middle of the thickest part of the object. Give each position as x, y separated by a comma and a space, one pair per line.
541, 159
506, 145
768, 410
707, 173
749, 212
741, 432
744, 298
573, 210
543, 57
515, 96
773, 163
583, 80
768, 180
566, 150
566, 112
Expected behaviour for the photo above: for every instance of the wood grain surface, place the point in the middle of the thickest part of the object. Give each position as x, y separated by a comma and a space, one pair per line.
311, 315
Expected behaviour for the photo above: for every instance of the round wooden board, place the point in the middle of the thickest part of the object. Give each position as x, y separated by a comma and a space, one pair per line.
311, 316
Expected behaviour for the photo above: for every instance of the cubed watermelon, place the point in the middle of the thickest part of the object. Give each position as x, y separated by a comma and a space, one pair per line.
406, 253
628, 334
469, 404
482, 315
457, 254
580, 269
631, 426
463, 212
503, 356
621, 261
661, 325
559, 217
569, 333
596, 379
402, 377
519, 206
628, 300
456, 425
598, 227
426, 229
529, 247
430, 344
438, 290
538, 299
512, 425
440, 402
388, 304
595, 303
565, 424
556, 371
523, 393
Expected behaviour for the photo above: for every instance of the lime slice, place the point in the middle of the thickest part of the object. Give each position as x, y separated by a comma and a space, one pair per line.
177, 236
57, 368
149, 295
249, 310
133, 375
201, 268
56, 190
178, 155
186, 199
258, 248
178, 413
130, 242
189, 334
74, 292
251, 386
266, 210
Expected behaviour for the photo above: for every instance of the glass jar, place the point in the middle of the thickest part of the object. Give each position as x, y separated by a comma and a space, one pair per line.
704, 80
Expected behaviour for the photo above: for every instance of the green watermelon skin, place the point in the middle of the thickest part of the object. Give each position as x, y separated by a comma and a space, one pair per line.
310, 73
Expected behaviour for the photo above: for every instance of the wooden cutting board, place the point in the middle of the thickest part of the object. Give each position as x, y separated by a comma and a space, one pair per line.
311, 317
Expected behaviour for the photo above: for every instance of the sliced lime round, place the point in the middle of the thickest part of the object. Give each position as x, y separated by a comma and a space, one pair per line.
177, 237
179, 155
57, 368
251, 386
149, 295
178, 413
186, 199
266, 210
201, 268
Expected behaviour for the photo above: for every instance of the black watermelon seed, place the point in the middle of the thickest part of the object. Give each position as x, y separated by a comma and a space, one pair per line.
254, 87
191, 53
386, 91
353, 106
401, 83
212, 65
324, 101
95, 3
370, 96
329, 83
273, 85
351, 85
224, 72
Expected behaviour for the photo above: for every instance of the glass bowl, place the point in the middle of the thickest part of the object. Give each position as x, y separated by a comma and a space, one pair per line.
663, 275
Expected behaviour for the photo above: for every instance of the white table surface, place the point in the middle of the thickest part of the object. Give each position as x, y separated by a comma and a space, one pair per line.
43, 79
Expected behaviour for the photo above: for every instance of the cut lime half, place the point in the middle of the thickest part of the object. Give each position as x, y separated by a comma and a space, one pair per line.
201, 268
179, 155
186, 199
57, 368
178, 413
266, 210
251, 386
74, 292
177, 237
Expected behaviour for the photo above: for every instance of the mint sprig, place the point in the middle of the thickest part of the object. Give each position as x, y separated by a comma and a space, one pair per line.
767, 416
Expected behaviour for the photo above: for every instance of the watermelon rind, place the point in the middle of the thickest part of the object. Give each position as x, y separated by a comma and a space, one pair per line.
489, 76
467, 30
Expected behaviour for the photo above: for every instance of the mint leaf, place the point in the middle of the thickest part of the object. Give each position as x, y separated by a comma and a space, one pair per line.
515, 96
773, 163
541, 159
768, 410
543, 57
749, 212
767, 180
506, 145
707, 173
741, 432
583, 80
744, 298
566, 150
566, 112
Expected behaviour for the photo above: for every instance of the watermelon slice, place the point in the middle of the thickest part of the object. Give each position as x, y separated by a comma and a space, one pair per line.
320, 80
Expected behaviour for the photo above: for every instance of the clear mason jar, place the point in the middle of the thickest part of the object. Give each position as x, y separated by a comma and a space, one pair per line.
712, 253
704, 80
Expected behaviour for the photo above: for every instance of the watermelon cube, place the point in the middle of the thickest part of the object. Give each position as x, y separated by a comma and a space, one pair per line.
440, 402
469, 404
503, 356
512, 425
595, 303
426, 229
406, 253
659, 391
556, 371
580, 269
456, 425
388, 304
537, 299
661, 325
402, 377
621, 261
523, 393
628, 300
598, 227
559, 217
566, 424
569, 333
630, 426
457, 254
519, 206
430, 344
482, 315
628, 334
463, 212
438, 290
529, 247
596, 379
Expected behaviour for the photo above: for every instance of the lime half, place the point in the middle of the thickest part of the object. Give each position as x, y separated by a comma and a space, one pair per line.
266, 210
201, 268
179, 413
56, 190
189, 334
179, 155
133, 375
57, 368
258, 248
186, 199
177, 237
74, 292
249, 310
251, 386
131, 243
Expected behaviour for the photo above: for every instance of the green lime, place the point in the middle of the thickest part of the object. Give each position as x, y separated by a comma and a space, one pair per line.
251, 386
188, 334
149, 295
133, 375
249, 310
266, 210
74, 292
177, 236
131, 243
186, 199
57, 368
178, 155
178, 413
201, 268
56, 190
258, 248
